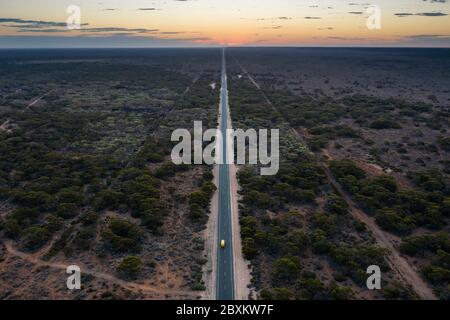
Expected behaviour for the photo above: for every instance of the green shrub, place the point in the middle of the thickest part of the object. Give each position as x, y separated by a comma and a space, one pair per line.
130, 266
123, 236
12, 229
285, 268
283, 294
35, 237
108, 199
391, 220
384, 124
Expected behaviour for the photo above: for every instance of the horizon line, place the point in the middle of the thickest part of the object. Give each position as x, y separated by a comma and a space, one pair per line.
243, 46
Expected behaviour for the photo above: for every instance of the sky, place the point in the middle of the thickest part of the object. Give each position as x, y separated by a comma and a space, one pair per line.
180, 23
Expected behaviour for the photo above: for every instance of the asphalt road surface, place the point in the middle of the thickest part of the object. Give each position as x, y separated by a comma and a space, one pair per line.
225, 274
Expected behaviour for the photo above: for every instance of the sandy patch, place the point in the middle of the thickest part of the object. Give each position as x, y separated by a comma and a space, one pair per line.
210, 237
242, 277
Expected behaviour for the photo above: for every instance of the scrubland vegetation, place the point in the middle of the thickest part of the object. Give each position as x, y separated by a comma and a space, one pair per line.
86, 176
388, 153
87, 173
298, 234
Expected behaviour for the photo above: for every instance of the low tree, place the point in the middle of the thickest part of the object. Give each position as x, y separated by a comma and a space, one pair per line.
285, 268
130, 267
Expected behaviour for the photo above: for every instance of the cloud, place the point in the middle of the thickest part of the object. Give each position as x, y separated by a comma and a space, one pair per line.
428, 39
99, 41
37, 26
348, 38
429, 36
271, 19
423, 14
43, 30
431, 14
116, 29
172, 32
403, 14
35, 23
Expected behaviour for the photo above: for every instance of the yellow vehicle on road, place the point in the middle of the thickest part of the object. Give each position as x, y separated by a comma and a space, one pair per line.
222, 244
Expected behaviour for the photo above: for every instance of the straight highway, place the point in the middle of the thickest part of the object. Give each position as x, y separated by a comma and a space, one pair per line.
225, 274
